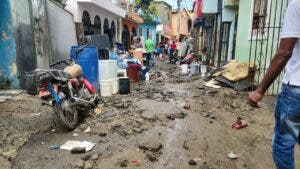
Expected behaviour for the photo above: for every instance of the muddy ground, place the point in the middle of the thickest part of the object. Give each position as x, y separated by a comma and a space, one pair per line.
165, 124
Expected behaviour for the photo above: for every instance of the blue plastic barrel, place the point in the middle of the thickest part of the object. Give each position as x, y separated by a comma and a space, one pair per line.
88, 60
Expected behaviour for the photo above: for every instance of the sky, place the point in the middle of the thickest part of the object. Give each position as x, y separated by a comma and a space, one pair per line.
188, 4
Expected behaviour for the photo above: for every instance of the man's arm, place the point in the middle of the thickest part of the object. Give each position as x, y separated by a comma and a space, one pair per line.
278, 63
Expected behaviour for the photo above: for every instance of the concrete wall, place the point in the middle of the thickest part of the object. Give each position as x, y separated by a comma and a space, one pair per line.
165, 12
183, 23
24, 37
8, 63
62, 31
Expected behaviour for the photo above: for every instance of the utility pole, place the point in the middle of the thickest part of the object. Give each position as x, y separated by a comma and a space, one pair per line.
178, 19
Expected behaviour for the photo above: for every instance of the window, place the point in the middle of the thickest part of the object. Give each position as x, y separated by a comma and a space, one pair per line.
259, 18
87, 26
97, 25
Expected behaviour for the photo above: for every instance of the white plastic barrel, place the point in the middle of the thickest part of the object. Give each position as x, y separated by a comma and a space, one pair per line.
106, 87
103, 66
107, 69
115, 86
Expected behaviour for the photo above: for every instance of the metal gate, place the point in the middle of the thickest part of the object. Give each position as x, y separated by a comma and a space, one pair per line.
267, 18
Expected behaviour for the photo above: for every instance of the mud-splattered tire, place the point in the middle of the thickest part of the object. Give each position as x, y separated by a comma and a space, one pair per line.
65, 120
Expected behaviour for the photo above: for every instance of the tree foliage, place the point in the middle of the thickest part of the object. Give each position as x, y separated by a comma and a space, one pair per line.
149, 11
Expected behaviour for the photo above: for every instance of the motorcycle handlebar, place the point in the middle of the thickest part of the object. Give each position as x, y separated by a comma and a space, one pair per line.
61, 61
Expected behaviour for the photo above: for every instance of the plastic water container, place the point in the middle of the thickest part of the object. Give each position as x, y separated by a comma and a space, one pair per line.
203, 70
113, 69
106, 88
184, 68
115, 86
88, 60
124, 85
195, 68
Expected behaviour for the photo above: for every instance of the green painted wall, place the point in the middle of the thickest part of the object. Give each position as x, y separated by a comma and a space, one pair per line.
260, 51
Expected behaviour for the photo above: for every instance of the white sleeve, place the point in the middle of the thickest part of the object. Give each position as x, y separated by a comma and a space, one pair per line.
291, 23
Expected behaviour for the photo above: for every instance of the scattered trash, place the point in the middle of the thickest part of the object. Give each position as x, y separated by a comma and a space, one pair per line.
36, 114
239, 123
53, 130
54, 147
150, 146
134, 161
69, 145
192, 162
98, 110
75, 135
213, 84
232, 155
87, 130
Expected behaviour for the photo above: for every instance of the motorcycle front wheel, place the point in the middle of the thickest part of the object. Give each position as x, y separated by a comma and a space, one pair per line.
68, 117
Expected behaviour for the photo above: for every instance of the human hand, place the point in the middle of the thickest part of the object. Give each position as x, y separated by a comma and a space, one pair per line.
254, 98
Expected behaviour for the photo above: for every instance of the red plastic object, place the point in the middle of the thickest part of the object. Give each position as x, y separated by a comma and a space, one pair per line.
132, 72
88, 85
239, 123
198, 8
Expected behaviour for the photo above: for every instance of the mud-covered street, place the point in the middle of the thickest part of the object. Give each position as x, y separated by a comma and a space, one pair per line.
172, 122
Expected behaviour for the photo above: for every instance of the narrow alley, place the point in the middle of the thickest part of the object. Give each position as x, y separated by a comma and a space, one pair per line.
188, 120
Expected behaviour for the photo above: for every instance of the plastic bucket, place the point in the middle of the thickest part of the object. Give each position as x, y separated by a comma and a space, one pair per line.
203, 70
124, 84
115, 86
195, 68
184, 68
106, 88
132, 72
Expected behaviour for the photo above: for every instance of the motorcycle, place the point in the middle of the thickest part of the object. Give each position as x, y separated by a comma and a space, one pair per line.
67, 91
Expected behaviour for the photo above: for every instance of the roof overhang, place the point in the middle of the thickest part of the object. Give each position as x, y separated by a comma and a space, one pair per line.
107, 5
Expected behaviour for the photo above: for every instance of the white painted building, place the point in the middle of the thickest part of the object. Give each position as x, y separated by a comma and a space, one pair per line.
104, 15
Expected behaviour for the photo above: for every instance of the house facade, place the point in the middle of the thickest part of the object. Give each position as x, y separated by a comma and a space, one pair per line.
93, 17
130, 28
219, 32
164, 30
148, 28
258, 32
183, 23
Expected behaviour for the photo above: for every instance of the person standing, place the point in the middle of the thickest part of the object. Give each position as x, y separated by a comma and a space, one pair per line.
150, 47
287, 108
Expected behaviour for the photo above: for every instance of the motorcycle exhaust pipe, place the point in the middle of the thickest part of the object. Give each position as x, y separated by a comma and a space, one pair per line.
81, 102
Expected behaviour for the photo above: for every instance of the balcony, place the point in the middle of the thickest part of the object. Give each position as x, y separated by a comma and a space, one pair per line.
231, 3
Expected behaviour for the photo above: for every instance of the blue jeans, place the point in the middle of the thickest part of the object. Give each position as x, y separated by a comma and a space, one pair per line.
287, 106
